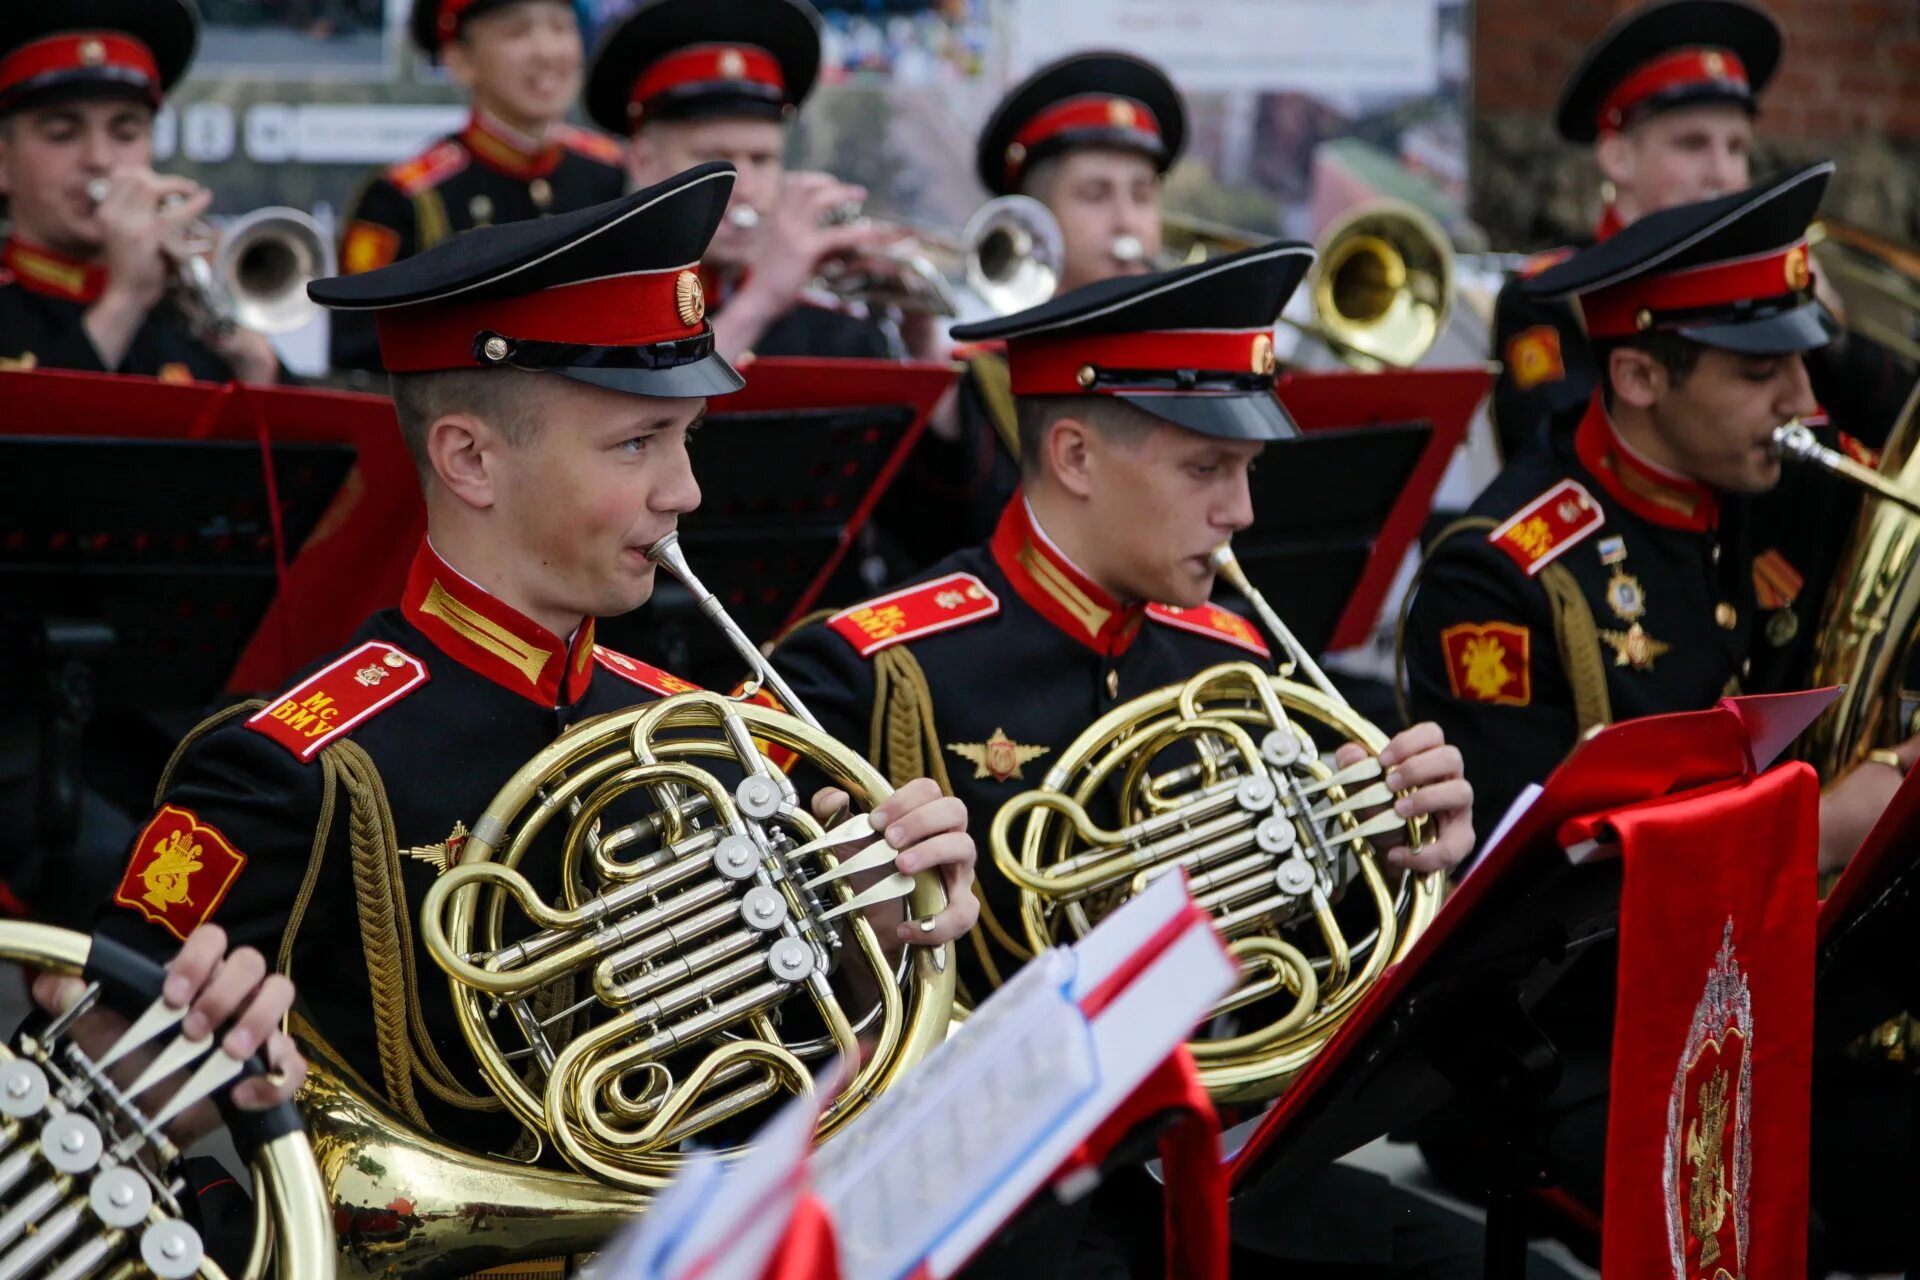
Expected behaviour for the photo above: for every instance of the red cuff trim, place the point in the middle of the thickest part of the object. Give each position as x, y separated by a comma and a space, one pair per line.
1051, 366
717, 64
1681, 69
80, 51
1087, 111
1635, 305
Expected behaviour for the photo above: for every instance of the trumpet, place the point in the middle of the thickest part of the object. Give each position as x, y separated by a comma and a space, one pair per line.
253, 276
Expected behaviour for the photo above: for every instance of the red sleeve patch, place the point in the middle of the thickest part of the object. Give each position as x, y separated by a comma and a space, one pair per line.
180, 871
427, 171
1533, 357
1488, 662
368, 247
350, 689
913, 612
594, 146
1212, 620
646, 675
1550, 525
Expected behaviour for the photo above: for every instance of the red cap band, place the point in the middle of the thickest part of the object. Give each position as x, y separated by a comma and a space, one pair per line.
706, 64
1042, 366
449, 19
1634, 306
80, 51
621, 311
1680, 69
1087, 111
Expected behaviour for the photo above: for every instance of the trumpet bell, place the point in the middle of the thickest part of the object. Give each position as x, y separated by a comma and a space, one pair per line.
1383, 285
265, 261
1014, 253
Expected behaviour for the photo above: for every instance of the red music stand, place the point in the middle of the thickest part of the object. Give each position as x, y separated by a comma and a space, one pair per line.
1450, 1019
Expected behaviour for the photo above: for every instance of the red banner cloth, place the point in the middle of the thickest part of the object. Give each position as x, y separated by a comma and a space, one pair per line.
1707, 1141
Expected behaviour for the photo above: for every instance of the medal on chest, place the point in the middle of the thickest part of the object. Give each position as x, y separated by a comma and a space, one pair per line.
999, 757
1627, 599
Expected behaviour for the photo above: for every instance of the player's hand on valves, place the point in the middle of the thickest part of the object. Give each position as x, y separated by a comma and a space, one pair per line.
1420, 761
928, 831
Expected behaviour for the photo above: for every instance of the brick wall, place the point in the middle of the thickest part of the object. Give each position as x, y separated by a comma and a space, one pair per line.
1848, 87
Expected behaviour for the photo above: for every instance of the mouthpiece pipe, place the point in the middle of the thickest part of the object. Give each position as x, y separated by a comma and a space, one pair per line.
667, 554
1228, 566
1796, 441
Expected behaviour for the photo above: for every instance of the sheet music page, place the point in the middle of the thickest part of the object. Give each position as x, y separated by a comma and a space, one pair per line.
909, 1168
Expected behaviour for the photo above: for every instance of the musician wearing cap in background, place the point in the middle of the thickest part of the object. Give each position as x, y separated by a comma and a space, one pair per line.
692, 81
85, 271
517, 158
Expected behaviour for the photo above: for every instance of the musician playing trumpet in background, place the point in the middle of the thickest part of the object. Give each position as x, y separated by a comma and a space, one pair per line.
96, 233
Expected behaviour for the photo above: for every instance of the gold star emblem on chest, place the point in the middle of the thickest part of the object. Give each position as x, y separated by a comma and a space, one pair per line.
444, 853
1634, 647
999, 757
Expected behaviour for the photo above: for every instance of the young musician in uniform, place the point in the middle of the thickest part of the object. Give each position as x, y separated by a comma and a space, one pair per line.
517, 157
84, 280
690, 81
1143, 403
546, 376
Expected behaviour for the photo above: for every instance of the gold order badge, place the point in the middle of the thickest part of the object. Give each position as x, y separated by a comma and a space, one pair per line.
690, 298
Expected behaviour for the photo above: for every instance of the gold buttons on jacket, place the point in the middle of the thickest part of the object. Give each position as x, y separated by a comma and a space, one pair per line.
1726, 615
1113, 683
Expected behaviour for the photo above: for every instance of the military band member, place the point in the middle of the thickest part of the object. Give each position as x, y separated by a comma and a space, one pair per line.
546, 376
517, 157
691, 81
83, 281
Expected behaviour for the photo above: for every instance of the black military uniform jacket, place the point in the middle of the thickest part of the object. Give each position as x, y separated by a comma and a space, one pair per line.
312, 826
981, 670
814, 327
475, 178
1546, 367
1585, 586
43, 305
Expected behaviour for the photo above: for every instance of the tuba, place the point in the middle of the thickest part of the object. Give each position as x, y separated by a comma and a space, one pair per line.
1221, 778
706, 959
89, 1182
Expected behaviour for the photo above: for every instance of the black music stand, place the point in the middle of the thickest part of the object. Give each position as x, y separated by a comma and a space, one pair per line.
790, 469
1451, 1020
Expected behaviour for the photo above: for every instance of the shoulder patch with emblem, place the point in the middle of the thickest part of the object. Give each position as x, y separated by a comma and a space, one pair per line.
1212, 621
1488, 662
368, 247
346, 692
913, 612
429, 169
594, 146
180, 871
1541, 261
1533, 357
644, 674
1549, 526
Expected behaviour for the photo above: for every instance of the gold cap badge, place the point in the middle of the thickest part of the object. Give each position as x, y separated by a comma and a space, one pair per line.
690, 298
1122, 114
733, 64
92, 53
1263, 359
1797, 272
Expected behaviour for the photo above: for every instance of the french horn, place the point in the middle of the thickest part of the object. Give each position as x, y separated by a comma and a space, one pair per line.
89, 1181
707, 958
1222, 778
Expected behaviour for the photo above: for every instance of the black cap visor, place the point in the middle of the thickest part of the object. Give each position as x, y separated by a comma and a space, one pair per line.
86, 85
1226, 415
1805, 327
712, 376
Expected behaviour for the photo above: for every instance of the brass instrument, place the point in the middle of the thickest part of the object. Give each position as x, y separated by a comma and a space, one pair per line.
251, 275
88, 1178
1013, 253
1221, 778
1870, 622
1877, 280
1382, 284
707, 957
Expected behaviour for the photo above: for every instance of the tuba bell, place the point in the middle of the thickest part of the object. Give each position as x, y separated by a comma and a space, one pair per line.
1222, 778
707, 957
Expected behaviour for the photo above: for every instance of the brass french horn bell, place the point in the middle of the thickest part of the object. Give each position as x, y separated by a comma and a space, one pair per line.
1222, 778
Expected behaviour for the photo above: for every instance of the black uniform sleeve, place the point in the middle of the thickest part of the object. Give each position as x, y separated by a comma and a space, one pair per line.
237, 790
1510, 713
381, 227
807, 330
52, 334
1521, 413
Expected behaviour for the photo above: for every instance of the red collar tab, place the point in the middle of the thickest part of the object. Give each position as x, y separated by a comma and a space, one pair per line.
1056, 588
1651, 492
1610, 223
1779, 276
490, 637
49, 273
1669, 73
494, 147
1196, 360
1089, 112
104, 55
642, 309
735, 68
